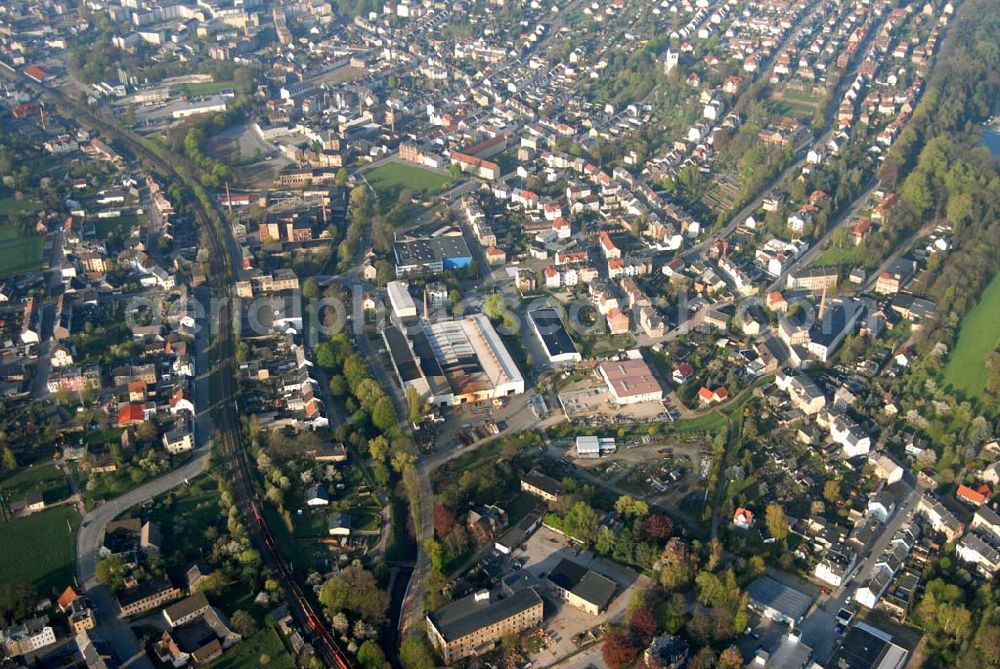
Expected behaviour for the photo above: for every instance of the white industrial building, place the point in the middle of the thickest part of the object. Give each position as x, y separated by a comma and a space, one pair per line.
400, 300
454, 362
595, 447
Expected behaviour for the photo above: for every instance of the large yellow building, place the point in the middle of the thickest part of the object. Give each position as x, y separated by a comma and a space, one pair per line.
476, 623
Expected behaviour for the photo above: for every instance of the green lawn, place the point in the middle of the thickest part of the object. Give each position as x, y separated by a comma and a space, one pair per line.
248, 653
979, 333
389, 179
18, 253
11, 204
791, 108
834, 255
206, 88
106, 228
800, 96
184, 514
713, 422
108, 485
46, 479
40, 549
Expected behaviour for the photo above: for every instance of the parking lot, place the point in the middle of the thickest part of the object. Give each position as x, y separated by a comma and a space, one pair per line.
565, 627
470, 423
593, 404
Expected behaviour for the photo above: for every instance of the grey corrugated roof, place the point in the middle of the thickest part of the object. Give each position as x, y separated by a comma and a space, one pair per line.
766, 591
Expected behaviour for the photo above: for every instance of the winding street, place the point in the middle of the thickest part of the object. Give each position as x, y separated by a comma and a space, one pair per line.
88, 540
91, 533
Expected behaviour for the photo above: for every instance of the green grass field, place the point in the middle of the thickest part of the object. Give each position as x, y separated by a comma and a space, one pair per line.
713, 421
40, 549
791, 108
106, 228
800, 96
978, 334
847, 255
206, 88
248, 653
184, 514
18, 253
46, 479
389, 179
10, 204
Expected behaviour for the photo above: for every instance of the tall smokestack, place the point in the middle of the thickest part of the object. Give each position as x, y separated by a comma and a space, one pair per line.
229, 198
426, 308
822, 303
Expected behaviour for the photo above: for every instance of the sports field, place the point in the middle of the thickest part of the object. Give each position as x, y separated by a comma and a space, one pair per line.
978, 334
389, 179
204, 88
19, 253
40, 549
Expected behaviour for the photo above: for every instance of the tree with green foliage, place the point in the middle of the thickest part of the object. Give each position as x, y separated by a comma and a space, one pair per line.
435, 554
676, 564
494, 306
416, 653
581, 521
942, 611
243, 624
8, 462
310, 289
378, 448
414, 405
777, 522
338, 386
354, 590
370, 656
631, 508
110, 572
831, 491
384, 416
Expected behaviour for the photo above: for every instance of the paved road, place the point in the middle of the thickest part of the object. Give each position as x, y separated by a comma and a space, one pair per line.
91, 533
813, 252
88, 540
43, 364
819, 624
413, 605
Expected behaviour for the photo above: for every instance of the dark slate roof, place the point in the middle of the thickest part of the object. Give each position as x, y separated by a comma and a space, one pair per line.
464, 616
582, 582
552, 331
765, 591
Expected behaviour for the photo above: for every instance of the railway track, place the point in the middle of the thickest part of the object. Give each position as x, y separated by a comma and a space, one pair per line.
238, 467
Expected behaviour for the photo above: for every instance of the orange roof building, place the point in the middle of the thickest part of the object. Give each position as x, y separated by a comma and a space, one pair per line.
971, 495
743, 518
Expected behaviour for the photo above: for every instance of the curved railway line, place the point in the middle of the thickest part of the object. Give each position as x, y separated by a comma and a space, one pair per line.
227, 423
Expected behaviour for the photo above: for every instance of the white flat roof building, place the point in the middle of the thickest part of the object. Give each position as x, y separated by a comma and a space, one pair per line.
400, 299
594, 447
